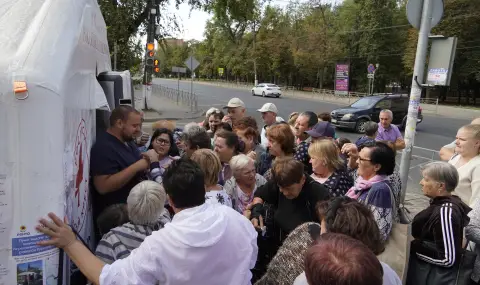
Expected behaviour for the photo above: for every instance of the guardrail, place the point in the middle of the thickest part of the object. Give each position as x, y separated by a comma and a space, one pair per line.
179, 96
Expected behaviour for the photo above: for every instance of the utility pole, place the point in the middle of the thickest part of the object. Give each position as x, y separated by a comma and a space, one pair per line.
416, 92
255, 52
115, 50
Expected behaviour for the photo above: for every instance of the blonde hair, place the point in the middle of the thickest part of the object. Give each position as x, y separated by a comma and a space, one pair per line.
473, 129
293, 118
327, 151
164, 124
209, 163
239, 162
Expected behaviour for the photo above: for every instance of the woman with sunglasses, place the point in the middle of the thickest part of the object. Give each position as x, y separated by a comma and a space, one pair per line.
162, 151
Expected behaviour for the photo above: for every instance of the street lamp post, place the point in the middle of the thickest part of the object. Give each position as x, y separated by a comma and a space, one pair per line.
255, 52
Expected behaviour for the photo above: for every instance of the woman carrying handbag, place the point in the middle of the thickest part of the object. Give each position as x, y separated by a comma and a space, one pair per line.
437, 256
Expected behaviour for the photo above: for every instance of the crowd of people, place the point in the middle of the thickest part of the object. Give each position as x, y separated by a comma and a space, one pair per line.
226, 201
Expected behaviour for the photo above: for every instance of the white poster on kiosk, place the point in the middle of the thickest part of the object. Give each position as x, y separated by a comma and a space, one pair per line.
52, 52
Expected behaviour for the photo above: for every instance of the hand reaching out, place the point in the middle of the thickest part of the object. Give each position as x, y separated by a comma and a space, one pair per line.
59, 231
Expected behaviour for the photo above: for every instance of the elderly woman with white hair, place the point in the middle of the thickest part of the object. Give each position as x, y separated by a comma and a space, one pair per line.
437, 230
146, 213
244, 182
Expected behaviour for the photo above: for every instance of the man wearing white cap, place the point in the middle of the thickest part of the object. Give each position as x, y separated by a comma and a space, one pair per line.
236, 111
269, 115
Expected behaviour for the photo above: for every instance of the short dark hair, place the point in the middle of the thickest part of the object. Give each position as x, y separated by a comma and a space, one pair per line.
199, 140
184, 183
381, 154
342, 141
113, 216
231, 140
246, 122
326, 117
312, 118
347, 216
337, 259
173, 151
121, 113
287, 171
225, 126
371, 128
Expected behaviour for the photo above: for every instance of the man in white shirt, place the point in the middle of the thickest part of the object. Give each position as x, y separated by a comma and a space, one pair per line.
269, 115
204, 243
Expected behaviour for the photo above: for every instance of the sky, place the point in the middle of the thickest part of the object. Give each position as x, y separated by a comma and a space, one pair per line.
194, 21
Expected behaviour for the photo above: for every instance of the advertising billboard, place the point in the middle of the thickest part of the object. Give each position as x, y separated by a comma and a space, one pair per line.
341, 78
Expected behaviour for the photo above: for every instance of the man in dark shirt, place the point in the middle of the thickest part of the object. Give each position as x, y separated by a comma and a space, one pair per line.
116, 164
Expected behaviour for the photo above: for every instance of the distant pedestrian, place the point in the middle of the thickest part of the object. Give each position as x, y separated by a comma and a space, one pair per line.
371, 131
270, 116
388, 131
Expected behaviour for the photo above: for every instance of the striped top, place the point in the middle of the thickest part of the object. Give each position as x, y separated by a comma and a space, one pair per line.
120, 241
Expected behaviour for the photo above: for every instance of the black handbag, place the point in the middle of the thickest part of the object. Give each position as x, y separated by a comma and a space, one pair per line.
421, 272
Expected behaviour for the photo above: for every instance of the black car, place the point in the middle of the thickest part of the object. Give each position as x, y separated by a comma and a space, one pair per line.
368, 109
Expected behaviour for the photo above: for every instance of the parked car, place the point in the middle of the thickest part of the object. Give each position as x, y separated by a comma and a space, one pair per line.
368, 108
267, 89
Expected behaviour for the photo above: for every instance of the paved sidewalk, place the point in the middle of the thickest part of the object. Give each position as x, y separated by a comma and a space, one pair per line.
165, 109
440, 110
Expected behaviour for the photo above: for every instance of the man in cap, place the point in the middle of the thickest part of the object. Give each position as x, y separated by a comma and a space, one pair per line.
322, 130
269, 115
236, 111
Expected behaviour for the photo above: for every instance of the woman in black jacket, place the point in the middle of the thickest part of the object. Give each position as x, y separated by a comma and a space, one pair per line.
284, 203
438, 230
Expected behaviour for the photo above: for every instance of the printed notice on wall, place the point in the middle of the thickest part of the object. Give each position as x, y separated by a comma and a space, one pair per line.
5, 207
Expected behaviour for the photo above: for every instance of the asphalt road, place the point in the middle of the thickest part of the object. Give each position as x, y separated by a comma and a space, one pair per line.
433, 133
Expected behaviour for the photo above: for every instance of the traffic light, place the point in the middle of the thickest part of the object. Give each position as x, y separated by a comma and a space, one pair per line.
150, 46
155, 64
150, 54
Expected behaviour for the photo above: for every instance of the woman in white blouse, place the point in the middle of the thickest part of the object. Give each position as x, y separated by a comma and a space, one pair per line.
467, 162
244, 182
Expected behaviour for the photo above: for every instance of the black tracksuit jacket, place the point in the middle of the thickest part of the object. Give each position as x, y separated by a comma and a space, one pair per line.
438, 231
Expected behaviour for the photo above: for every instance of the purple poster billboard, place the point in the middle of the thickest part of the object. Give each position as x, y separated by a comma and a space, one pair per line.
341, 78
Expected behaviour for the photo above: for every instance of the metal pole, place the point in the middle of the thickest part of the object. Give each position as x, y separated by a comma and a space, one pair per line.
415, 93
191, 81
255, 53
178, 86
115, 56
373, 83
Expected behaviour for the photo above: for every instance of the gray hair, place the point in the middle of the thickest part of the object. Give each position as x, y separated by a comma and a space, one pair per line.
387, 111
239, 162
371, 128
443, 172
146, 203
192, 129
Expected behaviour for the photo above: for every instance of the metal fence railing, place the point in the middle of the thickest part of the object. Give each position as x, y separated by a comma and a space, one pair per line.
181, 97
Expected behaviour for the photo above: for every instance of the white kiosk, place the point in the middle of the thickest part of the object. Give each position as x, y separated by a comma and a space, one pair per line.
52, 53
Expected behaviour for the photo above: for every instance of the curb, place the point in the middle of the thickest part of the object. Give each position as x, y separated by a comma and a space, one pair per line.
191, 117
